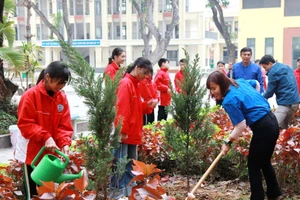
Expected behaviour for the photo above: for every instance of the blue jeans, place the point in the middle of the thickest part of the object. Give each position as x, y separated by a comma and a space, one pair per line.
121, 181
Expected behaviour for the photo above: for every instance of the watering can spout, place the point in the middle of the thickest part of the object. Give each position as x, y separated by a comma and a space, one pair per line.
68, 177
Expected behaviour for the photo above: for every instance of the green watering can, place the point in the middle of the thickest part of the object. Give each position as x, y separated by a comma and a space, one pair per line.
51, 168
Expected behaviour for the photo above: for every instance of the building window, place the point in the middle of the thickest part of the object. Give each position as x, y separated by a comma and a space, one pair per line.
251, 44
71, 7
168, 6
50, 8
59, 6
296, 51
38, 32
87, 7
269, 46
79, 7
16, 33
236, 26
228, 27
122, 8
98, 32
98, 8
248, 4
79, 31
226, 55
291, 8
123, 32
173, 56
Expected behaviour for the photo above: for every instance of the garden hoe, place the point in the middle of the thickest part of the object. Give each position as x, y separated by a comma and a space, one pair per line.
211, 167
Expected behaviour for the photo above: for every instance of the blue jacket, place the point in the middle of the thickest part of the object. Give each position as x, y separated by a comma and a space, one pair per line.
244, 102
251, 71
283, 83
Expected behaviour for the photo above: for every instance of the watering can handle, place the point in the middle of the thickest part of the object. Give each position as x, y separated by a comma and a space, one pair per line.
40, 153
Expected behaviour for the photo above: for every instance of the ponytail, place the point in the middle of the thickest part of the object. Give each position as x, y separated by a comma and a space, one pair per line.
41, 76
110, 60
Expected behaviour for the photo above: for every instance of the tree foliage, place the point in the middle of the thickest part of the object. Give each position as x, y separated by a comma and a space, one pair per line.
190, 133
100, 99
7, 54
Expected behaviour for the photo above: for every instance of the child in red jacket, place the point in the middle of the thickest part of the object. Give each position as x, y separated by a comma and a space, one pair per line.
114, 62
179, 75
163, 83
130, 110
44, 119
149, 92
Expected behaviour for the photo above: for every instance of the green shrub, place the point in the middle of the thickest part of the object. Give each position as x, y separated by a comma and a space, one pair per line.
5, 121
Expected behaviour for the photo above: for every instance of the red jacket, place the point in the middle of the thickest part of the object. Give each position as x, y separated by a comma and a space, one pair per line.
163, 83
297, 75
130, 109
148, 89
41, 116
178, 79
111, 70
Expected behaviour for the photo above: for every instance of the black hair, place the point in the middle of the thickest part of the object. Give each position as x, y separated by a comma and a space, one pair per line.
161, 61
116, 52
266, 59
220, 79
57, 70
141, 62
221, 62
257, 61
182, 60
246, 49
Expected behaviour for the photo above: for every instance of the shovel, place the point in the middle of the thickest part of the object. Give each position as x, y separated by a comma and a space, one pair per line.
211, 167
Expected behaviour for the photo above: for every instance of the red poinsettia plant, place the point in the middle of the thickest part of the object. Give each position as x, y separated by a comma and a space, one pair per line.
148, 182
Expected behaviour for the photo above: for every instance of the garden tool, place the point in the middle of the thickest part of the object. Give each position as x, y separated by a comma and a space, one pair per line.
211, 167
51, 168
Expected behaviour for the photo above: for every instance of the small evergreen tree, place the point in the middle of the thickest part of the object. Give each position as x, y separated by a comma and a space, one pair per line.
101, 100
189, 132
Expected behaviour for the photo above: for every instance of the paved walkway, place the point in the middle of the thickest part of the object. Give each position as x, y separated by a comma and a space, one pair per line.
6, 154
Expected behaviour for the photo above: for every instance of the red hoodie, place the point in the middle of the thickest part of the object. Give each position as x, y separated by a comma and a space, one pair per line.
111, 70
163, 83
130, 109
177, 80
41, 116
297, 75
148, 89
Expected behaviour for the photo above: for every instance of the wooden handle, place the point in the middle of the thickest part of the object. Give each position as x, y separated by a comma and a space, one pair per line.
211, 167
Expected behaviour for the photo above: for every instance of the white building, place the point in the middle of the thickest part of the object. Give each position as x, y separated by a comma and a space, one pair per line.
101, 25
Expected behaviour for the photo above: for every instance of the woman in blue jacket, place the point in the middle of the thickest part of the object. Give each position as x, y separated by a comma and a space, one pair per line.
246, 107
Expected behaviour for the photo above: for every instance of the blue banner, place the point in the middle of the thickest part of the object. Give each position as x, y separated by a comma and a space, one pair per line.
76, 43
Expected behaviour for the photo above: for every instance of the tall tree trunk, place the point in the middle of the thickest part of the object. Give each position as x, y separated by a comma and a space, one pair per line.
46, 21
146, 21
68, 26
28, 36
219, 21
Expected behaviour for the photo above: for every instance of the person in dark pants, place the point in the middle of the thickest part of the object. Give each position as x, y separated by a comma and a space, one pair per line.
149, 92
163, 83
44, 120
282, 83
247, 107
